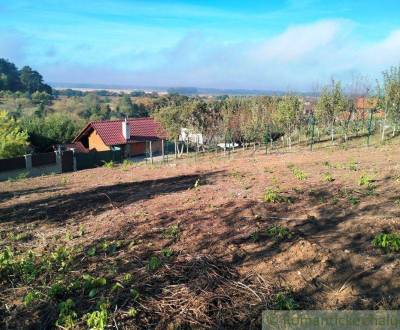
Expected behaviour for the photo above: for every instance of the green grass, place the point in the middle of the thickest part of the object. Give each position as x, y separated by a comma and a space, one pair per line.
109, 164
365, 180
172, 232
298, 174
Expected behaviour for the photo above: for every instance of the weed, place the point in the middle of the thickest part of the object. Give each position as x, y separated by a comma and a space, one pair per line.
132, 312
92, 284
328, 177
388, 242
272, 195
127, 278
365, 180
299, 174
19, 236
97, 320
353, 165
67, 316
172, 232
61, 258
109, 164
327, 164
135, 294
255, 237
167, 252
284, 301
116, 287
109, 247
278, 233
91, 251
127, 163
57, 290
32, 297
63, 181
353, 200
81, 230
154, 263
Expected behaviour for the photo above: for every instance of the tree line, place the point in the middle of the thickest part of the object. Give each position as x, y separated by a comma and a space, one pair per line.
49, 119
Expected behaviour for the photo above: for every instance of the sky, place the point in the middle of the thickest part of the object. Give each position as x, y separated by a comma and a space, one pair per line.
292, 45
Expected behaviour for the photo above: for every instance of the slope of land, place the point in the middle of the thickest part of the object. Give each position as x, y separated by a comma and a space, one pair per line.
201, 243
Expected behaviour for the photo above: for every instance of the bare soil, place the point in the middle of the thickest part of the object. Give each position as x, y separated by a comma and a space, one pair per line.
221, 273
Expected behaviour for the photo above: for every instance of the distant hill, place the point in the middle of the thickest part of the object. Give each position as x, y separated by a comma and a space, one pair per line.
189, 91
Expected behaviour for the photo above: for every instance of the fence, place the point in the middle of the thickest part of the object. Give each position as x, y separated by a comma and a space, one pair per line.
54, 162
93, 159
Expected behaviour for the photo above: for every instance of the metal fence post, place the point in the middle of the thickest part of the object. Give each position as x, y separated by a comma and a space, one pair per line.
28, 163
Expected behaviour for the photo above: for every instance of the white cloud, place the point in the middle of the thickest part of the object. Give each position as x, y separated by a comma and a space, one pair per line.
295, 59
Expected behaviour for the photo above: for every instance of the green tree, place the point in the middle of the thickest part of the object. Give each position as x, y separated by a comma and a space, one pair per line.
390, 98
13, 140
288, 115
52, 130
9, 76
331, 103
32, 81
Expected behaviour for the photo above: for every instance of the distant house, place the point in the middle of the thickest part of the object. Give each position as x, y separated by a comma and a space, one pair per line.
134, 137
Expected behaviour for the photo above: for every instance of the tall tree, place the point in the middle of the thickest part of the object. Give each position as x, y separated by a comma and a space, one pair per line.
9, 76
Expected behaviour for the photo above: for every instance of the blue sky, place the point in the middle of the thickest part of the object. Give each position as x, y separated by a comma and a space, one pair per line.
285, 45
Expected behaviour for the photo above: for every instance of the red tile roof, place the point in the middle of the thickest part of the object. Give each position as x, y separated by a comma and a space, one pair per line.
77, 146
110, 131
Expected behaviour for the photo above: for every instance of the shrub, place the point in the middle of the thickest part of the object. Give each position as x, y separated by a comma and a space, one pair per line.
388, 242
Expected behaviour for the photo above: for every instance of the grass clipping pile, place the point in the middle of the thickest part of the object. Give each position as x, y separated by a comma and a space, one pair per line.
205, 292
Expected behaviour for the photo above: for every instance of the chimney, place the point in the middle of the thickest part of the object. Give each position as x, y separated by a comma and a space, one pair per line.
126, 132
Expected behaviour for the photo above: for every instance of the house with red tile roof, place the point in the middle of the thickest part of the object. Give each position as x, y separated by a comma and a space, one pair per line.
134, 136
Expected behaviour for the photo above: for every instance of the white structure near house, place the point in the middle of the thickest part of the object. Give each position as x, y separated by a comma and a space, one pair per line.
188, 135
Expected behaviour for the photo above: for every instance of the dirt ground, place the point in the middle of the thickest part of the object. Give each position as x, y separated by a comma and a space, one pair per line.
203, 221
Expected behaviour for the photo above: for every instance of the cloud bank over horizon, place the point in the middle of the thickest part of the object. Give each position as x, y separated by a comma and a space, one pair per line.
296, 56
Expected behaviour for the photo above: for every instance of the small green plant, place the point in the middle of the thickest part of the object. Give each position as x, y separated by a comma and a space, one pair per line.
92, 284
61, 258
278, 233
67, 316
154, 263
132, 312
128, 277
116, 287
299, 174
328, 177
127, 163
172, 232
353, 200
109, 164
353, 166
284, 301
32, 297
81, 230
15, 237
255, 237
388, 242
97, 320
57, 290
167, 252
63, 181
272, 195
365, 180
